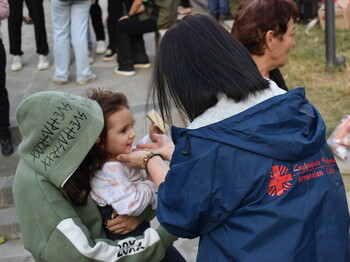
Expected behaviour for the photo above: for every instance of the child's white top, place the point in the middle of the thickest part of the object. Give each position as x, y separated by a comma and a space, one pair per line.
125, 189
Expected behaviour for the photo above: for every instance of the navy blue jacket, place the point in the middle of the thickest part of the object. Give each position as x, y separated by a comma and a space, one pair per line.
258, 186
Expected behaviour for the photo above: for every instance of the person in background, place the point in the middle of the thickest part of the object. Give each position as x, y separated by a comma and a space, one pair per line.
220, 9
307, 9
156, 14
90, 46
116, 9
70, 26
5, 134
186, 7
266, 28
28, 20
97, 24
59, 220
15, 21
252, 174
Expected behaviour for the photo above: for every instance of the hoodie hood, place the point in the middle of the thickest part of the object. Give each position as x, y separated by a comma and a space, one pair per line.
285, 127
58, 130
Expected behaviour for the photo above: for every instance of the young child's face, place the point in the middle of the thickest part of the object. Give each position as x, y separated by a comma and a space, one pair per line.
120, 132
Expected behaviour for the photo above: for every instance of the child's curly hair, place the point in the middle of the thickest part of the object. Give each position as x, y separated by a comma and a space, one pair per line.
78, 187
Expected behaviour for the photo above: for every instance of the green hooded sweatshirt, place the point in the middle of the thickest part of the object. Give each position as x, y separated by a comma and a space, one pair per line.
58, 129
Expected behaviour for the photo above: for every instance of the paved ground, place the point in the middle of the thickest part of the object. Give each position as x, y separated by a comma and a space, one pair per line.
29, 81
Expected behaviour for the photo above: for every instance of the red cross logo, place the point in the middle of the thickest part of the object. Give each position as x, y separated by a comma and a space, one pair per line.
279, 181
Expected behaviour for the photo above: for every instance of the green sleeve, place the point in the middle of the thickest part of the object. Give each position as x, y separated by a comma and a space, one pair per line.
66, 244
147, 215
53, 230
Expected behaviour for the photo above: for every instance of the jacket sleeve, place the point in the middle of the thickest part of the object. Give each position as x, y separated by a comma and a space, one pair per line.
4, 9
147, 215
203, 189
73, 238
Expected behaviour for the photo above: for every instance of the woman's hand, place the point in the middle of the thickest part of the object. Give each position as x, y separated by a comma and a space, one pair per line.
133, 159
156, 166
122, 224
164, 145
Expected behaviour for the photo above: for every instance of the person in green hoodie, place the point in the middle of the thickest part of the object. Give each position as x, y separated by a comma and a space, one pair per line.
58, 130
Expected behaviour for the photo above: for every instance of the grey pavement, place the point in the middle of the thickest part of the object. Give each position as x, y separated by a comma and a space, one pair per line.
28, 81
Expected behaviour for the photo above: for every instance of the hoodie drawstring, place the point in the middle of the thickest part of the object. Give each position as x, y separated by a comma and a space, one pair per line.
187, 143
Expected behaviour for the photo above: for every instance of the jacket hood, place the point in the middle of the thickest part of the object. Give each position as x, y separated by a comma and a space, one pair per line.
285, 127
58, 130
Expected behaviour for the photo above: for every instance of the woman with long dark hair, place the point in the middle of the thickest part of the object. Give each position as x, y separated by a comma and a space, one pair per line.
251, 175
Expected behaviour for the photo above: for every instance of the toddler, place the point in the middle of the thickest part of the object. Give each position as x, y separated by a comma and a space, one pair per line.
116, 188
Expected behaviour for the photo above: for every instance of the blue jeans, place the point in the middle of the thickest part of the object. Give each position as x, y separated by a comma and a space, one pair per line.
70, 26
218, 7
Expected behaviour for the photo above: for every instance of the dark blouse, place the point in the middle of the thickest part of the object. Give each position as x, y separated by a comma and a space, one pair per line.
277, 77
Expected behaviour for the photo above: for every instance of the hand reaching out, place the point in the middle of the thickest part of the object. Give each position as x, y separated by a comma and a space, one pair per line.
164, 145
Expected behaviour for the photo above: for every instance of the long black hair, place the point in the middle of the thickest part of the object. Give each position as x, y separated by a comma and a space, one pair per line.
197, 59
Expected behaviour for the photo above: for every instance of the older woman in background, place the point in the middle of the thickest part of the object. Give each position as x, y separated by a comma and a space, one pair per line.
266, 29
